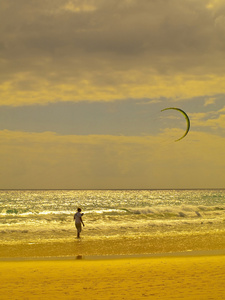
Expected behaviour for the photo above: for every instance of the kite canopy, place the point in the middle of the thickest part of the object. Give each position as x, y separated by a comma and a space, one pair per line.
187, 119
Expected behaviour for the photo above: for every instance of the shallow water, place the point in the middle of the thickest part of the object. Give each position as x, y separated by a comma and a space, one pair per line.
28, 217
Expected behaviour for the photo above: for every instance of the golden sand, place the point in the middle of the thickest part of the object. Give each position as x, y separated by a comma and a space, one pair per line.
200, 277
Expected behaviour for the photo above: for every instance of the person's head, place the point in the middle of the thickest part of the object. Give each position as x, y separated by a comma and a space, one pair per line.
79, 209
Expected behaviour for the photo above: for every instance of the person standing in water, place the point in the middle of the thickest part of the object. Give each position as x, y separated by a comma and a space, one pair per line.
78, 221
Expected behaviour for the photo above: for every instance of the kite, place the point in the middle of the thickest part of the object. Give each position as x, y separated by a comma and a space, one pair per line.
187, 119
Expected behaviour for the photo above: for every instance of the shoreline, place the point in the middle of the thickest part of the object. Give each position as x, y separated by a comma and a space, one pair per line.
113, 247
200, 253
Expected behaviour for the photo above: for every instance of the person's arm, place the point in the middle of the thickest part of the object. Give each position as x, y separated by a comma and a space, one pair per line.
81, 221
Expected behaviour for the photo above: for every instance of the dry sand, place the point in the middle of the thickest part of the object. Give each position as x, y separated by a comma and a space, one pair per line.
186, 277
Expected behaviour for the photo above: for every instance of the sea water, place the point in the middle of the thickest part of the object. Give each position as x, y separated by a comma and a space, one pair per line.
34, 216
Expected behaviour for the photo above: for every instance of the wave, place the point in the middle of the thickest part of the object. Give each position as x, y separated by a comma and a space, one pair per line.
179, 211
157, 211
22, 212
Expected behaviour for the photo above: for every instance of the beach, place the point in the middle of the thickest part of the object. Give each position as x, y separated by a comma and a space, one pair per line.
174, 277
142, 244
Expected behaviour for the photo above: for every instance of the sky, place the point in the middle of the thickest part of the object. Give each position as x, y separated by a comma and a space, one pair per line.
83, 83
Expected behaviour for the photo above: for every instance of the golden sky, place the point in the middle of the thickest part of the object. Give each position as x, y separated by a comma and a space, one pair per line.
83, 83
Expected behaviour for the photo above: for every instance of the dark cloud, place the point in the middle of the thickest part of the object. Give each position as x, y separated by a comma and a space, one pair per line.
171, 28
64, 41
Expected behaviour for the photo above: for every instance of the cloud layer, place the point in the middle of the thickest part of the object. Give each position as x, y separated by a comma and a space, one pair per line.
106, 50
48, 160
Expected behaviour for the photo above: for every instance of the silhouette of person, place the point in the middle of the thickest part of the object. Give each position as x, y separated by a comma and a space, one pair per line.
78, 221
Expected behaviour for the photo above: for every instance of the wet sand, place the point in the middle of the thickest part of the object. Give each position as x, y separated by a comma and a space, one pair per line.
209, 241
184, 277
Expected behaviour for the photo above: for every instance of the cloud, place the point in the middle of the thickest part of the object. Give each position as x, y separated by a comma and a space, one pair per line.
69, 161
209, 101
106, 50
47, 160
74, 6
217, 123
213, 121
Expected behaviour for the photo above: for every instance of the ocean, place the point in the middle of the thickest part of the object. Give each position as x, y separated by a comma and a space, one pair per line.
46, 216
